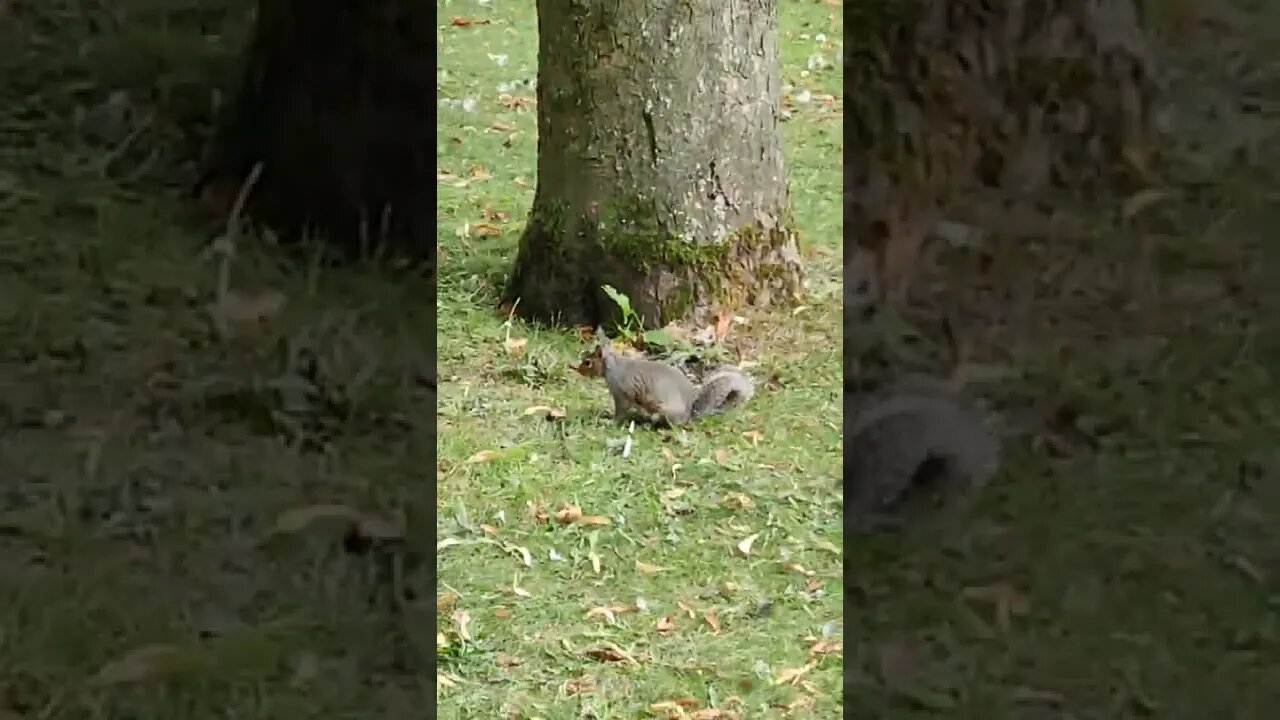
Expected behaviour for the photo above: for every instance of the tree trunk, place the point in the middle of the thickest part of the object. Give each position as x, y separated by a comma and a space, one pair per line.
660, 168
986, 113
336, 102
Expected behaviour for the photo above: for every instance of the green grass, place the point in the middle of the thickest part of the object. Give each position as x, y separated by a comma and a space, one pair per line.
1130, 541
671, 504
142, 461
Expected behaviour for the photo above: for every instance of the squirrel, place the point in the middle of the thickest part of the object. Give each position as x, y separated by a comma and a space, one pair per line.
912, 434
659, 393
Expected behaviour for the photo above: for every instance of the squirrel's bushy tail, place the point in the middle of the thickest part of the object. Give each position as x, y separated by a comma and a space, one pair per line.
722, 390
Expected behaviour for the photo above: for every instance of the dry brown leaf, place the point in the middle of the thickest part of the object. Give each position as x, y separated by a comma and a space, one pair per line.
489, 530
148, 664
594, 520
724, 321
647, 569
486, 229
755, 436
610, 612
446, 681
456, 21
445, 601
502, 127
791, 676
673, 493
478, 172
722, 456
502, 612
552, 412
580, 686
797, 567
826, 647
686, 609
610, 653
666, 625
738, 501
483, 456
537, 512
568, 513
515, 346
462, 619
712, 621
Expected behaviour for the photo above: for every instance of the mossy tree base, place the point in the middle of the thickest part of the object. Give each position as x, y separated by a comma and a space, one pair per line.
660, 168
337, 103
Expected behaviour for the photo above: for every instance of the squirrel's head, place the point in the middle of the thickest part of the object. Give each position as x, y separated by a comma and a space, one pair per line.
591, 364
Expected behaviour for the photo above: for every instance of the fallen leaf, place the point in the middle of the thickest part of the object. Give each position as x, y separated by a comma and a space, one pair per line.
488, 529
515, 346
646, 568
610, 612
826, 647
483, 456
568, 513
723, 323
486, 229
507, 661
610, 653
443, 680
744, 546
594, 520
666, 625
722, 456
737, 500
580, 686
501, 612
712, 621
462, 619
526, 557
502, 127
456, 21
551, 412
791, 676
445, 601
149, 663
755, 436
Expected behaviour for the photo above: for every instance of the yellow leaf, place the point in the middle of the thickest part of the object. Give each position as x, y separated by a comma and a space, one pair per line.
744, 546
646, 568
594, 520
483, 456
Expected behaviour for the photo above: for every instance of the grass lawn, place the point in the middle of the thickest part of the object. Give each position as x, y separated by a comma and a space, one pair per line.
145, 461
1124, 564
536, 613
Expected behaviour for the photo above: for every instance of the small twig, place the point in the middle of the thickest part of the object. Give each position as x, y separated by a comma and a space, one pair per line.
225, 246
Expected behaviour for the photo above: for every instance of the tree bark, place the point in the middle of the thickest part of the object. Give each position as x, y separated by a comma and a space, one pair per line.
336, 102
660, 167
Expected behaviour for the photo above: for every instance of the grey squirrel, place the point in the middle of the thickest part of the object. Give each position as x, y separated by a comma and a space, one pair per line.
912, 434
659, 393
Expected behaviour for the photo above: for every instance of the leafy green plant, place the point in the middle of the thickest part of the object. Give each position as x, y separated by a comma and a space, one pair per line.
632, 328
